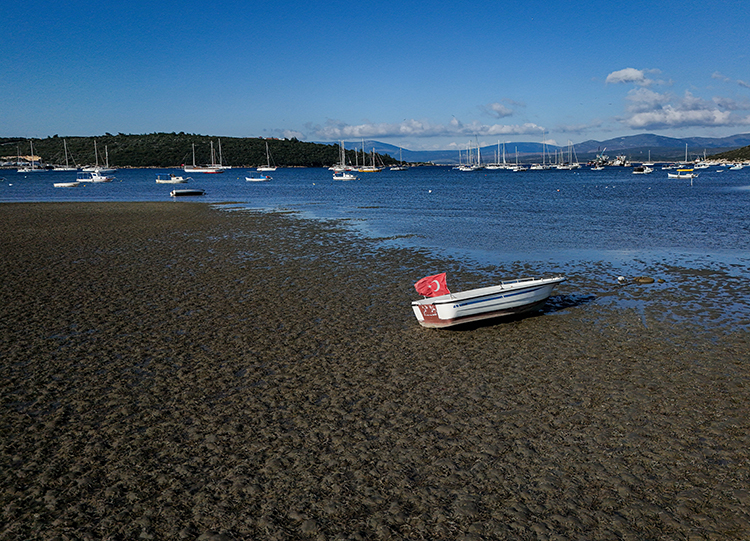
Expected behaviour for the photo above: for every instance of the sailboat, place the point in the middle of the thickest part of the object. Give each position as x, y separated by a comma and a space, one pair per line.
372, 168
96, 168
649, 163
518, 168
572, 162
213, 168
30, 168
67, 166
341, 166
541, 166
400, 166
684, 170
268, 166
472, 165
220, 165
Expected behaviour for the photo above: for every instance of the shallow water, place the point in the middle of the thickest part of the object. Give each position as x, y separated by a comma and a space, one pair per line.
591, 225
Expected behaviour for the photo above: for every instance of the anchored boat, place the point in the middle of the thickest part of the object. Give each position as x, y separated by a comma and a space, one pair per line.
186, 192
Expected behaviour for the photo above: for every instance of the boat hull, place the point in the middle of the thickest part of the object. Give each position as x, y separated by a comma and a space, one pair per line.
208, 170
186, 193
507, 298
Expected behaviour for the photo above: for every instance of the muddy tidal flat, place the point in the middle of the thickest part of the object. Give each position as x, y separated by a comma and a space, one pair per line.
176, 371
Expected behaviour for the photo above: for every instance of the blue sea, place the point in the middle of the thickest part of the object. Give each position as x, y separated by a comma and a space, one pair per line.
605, 223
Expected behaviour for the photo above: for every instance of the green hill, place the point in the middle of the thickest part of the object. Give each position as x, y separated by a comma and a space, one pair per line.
175, 149
736, 155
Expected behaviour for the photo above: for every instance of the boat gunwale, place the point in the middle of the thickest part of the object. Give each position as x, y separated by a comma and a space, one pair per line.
480, 294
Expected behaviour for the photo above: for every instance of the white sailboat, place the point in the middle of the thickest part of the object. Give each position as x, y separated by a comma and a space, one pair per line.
221, 165
213, 168
498, 164
96, 168
268, 166
400, 166
30, 168
518, 168
67, 165
649, 163
341, 166
372, 168
471, 164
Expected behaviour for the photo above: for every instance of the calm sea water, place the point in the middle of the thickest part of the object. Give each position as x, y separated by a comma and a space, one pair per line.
556, 221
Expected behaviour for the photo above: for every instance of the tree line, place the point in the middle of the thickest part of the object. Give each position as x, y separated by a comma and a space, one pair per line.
176, 149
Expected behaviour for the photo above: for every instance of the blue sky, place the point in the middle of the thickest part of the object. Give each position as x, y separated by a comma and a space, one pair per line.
422, 75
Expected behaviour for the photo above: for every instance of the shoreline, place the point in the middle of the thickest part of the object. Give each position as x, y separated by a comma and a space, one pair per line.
172, 370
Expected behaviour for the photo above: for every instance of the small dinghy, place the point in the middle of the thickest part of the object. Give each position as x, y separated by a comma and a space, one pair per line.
186, 192
445, 309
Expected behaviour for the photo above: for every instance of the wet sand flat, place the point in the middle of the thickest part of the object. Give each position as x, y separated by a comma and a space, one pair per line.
174, 371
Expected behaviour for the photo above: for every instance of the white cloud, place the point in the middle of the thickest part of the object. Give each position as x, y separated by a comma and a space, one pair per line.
729, 104
670, 117
292, 134
720, 76
652, 110
629, 75
497, 110
334, 129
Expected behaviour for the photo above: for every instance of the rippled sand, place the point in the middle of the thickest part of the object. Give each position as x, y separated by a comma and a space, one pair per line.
172, 371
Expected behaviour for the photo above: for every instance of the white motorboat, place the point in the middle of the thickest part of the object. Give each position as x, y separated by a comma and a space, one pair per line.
259, 178
93, 176
507, 298
344, 176
683, 173
72, 184
171, 179
642, 170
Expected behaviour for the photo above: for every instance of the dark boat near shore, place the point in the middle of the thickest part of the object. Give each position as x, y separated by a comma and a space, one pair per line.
186, 192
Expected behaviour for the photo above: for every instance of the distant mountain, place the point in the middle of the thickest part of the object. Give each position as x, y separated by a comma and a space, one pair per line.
448, 157
635, 147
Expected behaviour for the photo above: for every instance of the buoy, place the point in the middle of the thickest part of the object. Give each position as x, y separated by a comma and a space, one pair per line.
643, 280
621, 280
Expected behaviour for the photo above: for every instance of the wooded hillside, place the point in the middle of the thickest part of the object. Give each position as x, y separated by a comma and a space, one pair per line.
175, 149
737, 155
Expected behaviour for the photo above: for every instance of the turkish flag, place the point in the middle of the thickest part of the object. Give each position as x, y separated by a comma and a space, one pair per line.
432, 286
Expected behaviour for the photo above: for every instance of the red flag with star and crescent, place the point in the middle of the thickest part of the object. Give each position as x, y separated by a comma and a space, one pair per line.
432, 286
